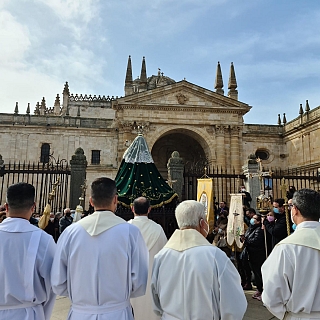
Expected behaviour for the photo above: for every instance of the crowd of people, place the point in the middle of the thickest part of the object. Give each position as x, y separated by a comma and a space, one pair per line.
114, 269
56, 223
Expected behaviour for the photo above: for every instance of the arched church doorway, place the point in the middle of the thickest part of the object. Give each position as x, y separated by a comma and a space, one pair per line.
186, 143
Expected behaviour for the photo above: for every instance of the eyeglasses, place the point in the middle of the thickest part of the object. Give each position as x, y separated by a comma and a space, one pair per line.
290, 205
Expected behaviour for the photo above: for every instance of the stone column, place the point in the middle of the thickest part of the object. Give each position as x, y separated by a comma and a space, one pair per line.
252, 183
221, 154
175, 167
78, 175
235, 149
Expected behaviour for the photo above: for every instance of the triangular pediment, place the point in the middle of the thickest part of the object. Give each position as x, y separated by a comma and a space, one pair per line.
184, 95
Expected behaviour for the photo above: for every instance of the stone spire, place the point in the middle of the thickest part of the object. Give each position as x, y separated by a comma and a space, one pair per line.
232, 84
219, 82
56, 108
28, 109
301, 110
43, 107
143, 76
16, 109
65, 97
307, 106
128, 86
279, 120
284, 119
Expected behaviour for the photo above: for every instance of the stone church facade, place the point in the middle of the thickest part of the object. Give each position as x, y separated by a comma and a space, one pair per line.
204, 126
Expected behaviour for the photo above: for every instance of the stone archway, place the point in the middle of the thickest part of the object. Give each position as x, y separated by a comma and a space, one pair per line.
186, 143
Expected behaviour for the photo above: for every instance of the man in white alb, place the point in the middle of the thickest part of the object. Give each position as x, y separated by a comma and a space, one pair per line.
101, 261
291, 275
191, 279
155, 239
26, 255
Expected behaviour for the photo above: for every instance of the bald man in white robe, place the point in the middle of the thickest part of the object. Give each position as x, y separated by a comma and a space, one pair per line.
155, 240
291, 274
191, 279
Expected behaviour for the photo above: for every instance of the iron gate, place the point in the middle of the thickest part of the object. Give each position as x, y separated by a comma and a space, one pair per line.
224, 183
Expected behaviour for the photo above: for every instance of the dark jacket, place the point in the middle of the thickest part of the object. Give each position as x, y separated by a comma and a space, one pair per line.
278, 230
255, 242
64, 222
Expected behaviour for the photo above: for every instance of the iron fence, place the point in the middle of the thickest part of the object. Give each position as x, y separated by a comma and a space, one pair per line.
42, 176
224, 183
297, 178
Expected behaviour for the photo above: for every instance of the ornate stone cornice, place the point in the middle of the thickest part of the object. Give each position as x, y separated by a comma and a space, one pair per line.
181, 109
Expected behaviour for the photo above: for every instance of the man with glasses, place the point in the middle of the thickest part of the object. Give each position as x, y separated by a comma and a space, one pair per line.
278, 229
291, 273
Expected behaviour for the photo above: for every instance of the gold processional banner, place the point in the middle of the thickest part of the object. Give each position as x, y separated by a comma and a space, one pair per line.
205, 196
235, 226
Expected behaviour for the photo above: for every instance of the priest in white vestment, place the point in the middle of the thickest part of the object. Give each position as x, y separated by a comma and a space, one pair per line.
101, 261
291, 273
26, 255
155, 240
191, 279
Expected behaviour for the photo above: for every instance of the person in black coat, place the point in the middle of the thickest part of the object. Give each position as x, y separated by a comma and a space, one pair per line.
255, 245
278, 229
66, 220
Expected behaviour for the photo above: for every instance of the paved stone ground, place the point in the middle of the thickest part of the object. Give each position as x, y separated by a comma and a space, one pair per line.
255, 310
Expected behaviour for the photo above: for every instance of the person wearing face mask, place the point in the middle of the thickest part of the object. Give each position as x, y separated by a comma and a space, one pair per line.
254, 243
192, 279
278, 228
291, 272
66, 220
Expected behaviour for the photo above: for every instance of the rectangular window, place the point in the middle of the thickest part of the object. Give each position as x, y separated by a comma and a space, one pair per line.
95, 157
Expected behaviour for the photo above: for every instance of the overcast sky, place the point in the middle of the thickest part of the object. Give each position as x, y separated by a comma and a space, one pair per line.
273, 44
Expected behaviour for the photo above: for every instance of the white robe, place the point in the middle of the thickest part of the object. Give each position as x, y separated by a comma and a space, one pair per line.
100, 273
155, 239
196, 281
26, 255
291, 279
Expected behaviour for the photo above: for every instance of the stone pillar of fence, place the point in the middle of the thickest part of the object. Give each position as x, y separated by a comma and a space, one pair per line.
175, 167
78, 165
252, 181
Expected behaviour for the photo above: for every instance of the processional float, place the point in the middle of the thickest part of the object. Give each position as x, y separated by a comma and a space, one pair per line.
138, 176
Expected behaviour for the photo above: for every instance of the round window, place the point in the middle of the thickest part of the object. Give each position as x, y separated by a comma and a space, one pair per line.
262, 154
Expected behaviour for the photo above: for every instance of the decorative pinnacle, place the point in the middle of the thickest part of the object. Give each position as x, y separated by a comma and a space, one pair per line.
301, 109
307, 106
284, 119
16, 109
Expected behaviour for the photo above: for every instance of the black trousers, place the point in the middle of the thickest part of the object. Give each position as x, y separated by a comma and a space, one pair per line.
256, 264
